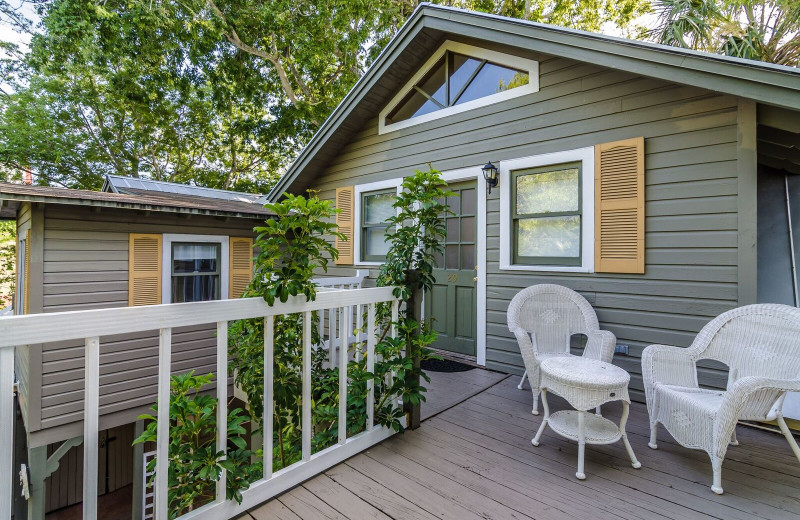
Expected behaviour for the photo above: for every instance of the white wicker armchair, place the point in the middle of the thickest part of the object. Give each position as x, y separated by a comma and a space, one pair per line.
760, 344
544, 318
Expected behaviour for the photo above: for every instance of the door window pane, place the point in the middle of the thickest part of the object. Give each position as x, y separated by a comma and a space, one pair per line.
195, 272
551, 237
468, 204
468, 229
467, 257
548, 192
451, 257
452, 230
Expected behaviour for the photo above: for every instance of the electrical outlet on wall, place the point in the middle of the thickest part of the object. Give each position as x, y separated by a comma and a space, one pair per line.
621, 349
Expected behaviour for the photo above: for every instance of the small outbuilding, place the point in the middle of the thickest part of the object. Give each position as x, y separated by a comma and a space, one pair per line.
138, 242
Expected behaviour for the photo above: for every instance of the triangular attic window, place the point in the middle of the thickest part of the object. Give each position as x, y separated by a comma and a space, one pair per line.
460, 77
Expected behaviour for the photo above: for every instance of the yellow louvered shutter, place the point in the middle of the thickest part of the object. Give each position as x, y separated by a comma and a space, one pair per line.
26, 282
619, 206
344, 219
144, 269
241, 266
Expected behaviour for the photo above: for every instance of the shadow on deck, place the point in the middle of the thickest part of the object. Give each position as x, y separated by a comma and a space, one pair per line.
472, 458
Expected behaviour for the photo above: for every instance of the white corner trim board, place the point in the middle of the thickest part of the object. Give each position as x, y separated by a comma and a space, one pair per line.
358, 189
529, 66
586, 157
166, 261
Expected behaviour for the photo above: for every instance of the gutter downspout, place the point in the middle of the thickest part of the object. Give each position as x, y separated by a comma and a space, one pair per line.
791, 241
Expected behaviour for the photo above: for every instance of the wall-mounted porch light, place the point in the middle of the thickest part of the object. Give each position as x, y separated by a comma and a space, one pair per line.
490, 174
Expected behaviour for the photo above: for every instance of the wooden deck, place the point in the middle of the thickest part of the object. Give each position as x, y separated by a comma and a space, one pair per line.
473, 459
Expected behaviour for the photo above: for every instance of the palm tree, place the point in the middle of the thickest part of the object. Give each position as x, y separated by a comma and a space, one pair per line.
767, 30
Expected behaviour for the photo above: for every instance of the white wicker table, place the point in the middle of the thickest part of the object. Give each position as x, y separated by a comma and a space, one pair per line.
585, 384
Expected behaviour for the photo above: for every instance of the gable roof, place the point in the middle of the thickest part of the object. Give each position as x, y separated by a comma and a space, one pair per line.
428, 25
121, 184
11, 195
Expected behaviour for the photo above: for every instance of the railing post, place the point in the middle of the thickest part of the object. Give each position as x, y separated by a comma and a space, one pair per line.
7, 431
91, 411
162, 432
222, 402
413, 311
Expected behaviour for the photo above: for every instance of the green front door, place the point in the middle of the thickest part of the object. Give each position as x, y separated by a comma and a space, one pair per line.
452, 303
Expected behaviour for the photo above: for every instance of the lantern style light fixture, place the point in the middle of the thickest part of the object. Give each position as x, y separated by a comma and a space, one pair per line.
490, 174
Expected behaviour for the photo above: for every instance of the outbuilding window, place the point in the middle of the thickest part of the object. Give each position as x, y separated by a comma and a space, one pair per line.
195, 272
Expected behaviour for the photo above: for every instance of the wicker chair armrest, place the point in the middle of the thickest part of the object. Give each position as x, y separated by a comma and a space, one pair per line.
666, 365
600, 345
754, 392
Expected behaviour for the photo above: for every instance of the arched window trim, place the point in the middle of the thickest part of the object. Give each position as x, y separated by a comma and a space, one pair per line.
529, 66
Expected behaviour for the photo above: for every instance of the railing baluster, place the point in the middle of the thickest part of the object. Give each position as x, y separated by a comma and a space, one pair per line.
222, 401
371, 340
91, 409
162, 433
395, 318
344, 332
6, 432
306, 380
331, 336
269, 401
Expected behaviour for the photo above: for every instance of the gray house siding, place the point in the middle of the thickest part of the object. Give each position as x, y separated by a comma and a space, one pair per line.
86, 267
692, 195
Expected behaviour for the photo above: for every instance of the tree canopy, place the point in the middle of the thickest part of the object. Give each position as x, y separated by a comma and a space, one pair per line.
220, 93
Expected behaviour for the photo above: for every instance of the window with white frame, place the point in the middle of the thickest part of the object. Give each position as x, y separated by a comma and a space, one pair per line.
376, 209
194, 268
373, 207
547, 212
456, 78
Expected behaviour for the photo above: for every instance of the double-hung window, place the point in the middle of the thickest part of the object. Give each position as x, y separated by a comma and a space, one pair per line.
195, 271
547, 213
376, 209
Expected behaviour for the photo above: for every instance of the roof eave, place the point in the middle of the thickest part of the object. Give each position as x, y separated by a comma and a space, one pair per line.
128, 205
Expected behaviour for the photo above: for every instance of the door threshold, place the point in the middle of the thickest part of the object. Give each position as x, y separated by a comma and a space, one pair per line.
455, 356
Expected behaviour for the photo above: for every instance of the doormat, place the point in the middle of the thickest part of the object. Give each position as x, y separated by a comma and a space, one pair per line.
444, 365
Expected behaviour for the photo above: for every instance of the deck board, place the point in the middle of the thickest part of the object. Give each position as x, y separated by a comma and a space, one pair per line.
472, 458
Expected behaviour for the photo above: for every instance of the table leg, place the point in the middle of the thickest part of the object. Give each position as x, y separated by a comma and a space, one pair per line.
535, 440
581, 445
635, 463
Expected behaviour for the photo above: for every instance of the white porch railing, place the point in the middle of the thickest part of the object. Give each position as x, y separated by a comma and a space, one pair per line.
92, 325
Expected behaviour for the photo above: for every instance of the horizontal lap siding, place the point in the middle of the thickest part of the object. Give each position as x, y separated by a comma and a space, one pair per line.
86, 267
691, 196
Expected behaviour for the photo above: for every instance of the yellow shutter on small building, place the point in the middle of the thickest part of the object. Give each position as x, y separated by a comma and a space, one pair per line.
26, 288
344, 219
144, 269
619, 207
241, 266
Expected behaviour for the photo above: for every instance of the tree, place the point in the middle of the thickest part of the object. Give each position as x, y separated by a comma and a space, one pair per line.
758, 30
222, 93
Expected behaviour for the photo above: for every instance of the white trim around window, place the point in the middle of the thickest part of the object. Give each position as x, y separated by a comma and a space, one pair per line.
586, 157
358, 190
166, 261
529, 66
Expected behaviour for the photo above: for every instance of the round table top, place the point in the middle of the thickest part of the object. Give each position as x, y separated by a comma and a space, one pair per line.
579, 371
